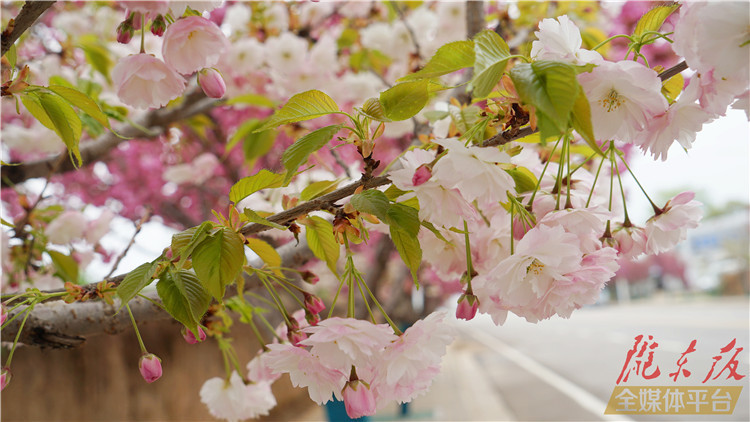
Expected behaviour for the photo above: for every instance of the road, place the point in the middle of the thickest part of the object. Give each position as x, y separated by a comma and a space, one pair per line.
566, 369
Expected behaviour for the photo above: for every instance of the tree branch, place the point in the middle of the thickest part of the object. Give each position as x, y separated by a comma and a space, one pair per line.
57, 324
194, 103
26, 17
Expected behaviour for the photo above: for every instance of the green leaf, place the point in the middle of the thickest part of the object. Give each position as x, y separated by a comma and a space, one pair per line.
581, 121
317, 189
373, 202
322, 242
253, 217
34, 106
431, 227
82, 101
393, 192
672, 87
404, 217
447, 59
67, 267
654, 19
252, 99
373, 109
135, 281
251, 184
525, 180
267, 253
254, 144
435, 115
409, 250
303, 106
184, 242
12, 56
492, 55
218, 260
549, 86
298, 153
97, 54
192, 290
175, 301
405, 99
65, 122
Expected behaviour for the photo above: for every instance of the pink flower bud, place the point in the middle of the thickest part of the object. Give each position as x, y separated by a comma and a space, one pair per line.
313, 303
5, 376
124, 33
150, 367
212, 83
295, 336
309, 277
312, 319
421, 175
467, 307
358, 399
520, 228
190, 337
158, 26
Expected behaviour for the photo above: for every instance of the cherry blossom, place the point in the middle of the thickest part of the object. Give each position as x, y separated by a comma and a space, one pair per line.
306, 370
67, 227
150, 367
234, 400
560, 39
144, 81
669, 226
193, 43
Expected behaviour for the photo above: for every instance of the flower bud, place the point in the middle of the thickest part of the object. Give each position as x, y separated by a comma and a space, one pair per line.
421, 175
158, 26
295, 336
467, 306
150, 367
311, 318
358, 399
190, 337
5, 376
309, 277
520, 227
313, 303
212, 83
125, 31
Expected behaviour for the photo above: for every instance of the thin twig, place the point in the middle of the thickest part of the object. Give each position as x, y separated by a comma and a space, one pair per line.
138, 227
26, 17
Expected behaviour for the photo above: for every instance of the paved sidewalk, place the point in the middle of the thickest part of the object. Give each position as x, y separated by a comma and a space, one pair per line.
462, 392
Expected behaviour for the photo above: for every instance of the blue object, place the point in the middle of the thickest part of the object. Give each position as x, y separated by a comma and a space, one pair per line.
337, 412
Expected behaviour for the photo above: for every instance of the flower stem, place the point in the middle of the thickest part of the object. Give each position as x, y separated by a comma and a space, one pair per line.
18, 335
601, 44
387, 318
656, 209
135, 327
143, 32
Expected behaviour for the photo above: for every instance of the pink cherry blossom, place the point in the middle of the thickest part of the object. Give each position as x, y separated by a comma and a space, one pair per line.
190, 337
623, 96
421, 175
144, 81
306, 370
96, 229
582, 286
670, 226
630, 241
67, 227
560, 40
150, 367
5, 377
313, 303
193, 43
340, 343
358, 399
234, 400
152, 7
258, 369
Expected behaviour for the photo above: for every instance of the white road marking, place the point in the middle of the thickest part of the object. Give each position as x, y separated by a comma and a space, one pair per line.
582, 397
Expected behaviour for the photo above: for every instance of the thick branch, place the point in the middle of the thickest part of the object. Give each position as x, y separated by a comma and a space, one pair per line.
60, 325
26, 17
155, 121
475, 22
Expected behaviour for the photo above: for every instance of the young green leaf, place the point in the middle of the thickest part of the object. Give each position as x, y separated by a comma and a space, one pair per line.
252, 99
491, 58
97, 54
65, 123
253, 217
267, 253
317, 189
447, 59
67, 267
404, 100
82, 101
303, 106
251, 184
525, 179
135, 281
374, 110
218, 260
175, 301
12, 56
549, 86
321, 241
409, 250
192, 290
300, 150
404, 217
373, 202
654, 19
184, 242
